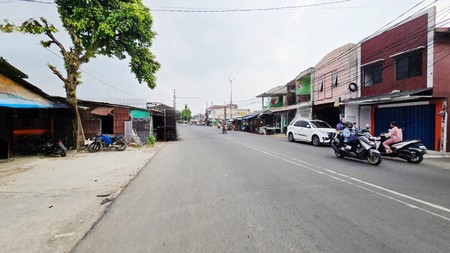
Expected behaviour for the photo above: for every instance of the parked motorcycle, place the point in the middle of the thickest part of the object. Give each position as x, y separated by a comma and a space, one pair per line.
410, 150
105, 141
53, 148
366, 148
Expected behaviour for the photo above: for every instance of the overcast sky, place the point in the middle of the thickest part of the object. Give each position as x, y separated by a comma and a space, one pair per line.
199, 51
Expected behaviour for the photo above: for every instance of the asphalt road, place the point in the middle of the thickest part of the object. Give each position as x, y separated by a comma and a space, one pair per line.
244, 192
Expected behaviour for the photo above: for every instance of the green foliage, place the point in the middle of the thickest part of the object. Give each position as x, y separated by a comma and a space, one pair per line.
151, 139
186, 113
115, 29
112, 28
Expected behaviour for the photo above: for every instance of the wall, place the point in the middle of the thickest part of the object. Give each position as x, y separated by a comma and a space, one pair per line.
120, 115
344, 61
409, 35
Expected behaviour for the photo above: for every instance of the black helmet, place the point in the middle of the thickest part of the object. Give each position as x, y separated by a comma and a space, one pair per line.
349, 125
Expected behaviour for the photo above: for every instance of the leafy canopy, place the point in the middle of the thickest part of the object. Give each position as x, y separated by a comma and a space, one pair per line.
102, 27
114, 28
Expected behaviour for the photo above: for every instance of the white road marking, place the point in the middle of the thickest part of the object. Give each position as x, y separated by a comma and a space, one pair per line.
312, 167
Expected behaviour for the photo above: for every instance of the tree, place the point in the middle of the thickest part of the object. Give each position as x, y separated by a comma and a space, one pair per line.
111, 28
186, 113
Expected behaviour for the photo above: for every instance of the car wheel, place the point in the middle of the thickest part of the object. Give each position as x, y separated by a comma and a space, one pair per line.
291, 137
315, 140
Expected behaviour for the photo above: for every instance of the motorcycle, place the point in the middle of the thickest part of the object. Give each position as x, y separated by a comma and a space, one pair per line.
410, 150
105, 141
52, 148
366, 148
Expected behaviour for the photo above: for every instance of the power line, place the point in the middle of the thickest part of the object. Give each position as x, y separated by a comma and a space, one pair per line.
29, 1
96, 78
207, 10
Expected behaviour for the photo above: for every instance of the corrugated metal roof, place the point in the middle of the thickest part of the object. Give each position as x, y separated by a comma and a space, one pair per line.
276, 91
102, 111
14, 101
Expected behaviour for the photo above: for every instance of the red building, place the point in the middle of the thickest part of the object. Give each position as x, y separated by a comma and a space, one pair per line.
404, 77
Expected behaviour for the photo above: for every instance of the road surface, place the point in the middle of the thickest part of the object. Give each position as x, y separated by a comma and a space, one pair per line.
243, 192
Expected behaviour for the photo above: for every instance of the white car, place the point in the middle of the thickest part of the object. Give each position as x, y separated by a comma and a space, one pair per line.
315, 131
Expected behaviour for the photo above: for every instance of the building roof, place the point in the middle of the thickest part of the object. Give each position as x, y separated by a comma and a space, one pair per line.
275, 91
102, 111
20, 99
18, 76
304, 73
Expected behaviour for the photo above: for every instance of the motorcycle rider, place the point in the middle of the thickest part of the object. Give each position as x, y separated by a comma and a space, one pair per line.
349, 137
224, 129
340, 126
396, 135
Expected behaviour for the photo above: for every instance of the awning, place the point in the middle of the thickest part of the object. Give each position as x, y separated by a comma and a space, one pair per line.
284, 108
140, 114
391, 97
103, 111
14, 101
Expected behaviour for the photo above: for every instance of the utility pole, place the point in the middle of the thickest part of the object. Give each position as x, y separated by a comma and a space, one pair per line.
225, 112
174, 100
231, 96
206, 111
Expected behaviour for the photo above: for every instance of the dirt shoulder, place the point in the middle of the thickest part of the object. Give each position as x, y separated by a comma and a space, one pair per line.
47, 204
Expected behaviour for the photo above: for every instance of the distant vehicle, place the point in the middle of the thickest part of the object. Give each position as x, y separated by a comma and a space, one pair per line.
316, 132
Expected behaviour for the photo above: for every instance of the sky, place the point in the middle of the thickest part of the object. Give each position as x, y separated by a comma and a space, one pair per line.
200, 52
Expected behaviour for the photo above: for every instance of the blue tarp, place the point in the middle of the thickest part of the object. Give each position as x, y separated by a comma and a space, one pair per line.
12, 101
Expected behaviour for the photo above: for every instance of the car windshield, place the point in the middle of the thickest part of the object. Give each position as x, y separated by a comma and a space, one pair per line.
320, 124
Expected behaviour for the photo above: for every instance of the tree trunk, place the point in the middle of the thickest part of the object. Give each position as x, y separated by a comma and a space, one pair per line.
78, 133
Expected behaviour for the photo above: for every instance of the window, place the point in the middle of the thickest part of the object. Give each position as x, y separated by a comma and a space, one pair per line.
320, 124
334, 78
407, 66
322, 78
373, 74
301, 123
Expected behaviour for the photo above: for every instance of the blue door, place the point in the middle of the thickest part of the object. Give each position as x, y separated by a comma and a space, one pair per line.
417, 122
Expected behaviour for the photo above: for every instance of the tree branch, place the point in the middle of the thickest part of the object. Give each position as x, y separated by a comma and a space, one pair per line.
57, 73
48, 32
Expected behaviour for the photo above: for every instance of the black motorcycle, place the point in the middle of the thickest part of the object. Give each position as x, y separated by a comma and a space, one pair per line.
410, 150
365, 148
53, 148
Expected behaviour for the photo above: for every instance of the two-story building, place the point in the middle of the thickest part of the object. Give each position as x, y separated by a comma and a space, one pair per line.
334, 76
404, 77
